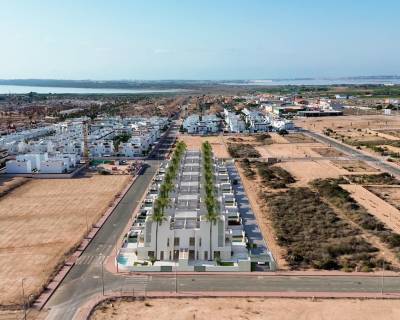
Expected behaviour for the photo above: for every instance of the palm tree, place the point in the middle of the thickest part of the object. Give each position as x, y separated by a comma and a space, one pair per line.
158, 217
212, 218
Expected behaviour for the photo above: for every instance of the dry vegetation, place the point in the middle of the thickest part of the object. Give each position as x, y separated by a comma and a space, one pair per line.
248, 308
382, 178
242, 150
340, 198
314, 235
299, 138
354, 166
328, 152
9, 184
41, 222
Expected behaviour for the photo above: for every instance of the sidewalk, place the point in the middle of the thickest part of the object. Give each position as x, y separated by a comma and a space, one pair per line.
85, 311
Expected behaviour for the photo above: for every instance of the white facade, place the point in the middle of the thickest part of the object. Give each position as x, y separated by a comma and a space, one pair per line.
234, 122
184, 237
18, 166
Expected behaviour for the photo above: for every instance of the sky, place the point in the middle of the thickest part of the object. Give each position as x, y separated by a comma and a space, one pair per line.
198, 39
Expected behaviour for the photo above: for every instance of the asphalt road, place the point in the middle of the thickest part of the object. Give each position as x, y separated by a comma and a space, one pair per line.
381, 164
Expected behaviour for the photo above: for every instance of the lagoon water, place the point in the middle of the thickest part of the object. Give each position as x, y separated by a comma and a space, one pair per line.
6, 89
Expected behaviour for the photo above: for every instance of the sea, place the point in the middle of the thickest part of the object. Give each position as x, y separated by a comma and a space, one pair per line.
7, 89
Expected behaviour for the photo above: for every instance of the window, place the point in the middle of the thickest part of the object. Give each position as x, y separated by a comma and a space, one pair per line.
217, 254
199, 242
168, 242
191, 241
162, 255
205, 255
151, 254
176, 241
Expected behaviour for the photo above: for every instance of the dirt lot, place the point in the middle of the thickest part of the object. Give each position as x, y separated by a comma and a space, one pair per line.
292, 150
348, 122
354, 166
217, 143
250, 308
375, 205
393, 133
41, 221
299, 138
307, 170
328, 152
389, 194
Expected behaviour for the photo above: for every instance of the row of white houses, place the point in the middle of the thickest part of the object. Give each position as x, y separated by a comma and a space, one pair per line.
42, 163
184, 239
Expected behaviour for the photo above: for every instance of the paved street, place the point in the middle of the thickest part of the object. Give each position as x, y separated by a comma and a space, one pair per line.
383, 165
250, 224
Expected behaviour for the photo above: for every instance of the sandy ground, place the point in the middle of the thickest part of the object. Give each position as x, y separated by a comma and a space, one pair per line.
355, 166
308, 170
250, 308
277, 138
346, 122
375, 205
390, 194
217, 143
292, 150
41, 221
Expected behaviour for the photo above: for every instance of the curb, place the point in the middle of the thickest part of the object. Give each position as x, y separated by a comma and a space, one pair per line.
86, 310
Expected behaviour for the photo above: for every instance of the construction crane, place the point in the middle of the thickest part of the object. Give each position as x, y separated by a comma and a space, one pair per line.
85, 129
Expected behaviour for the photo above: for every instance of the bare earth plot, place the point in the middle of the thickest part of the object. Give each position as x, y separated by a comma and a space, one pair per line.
328, 152
389, 194
249, 308
305, 170
375, 205
348, 122
289, 150
356, 166
41, 222
217, 143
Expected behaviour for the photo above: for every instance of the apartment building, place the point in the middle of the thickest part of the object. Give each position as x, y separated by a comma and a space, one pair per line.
234, 122
196, 124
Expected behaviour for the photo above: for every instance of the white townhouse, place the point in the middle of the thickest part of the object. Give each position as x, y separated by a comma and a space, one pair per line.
184, 237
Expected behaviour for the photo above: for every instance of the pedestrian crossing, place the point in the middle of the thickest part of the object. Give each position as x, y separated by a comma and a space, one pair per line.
89, 259
135, 285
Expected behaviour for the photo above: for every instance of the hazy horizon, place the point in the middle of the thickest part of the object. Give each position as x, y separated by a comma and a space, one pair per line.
192, 40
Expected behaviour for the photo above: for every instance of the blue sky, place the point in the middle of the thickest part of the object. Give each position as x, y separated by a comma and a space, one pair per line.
198, 39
